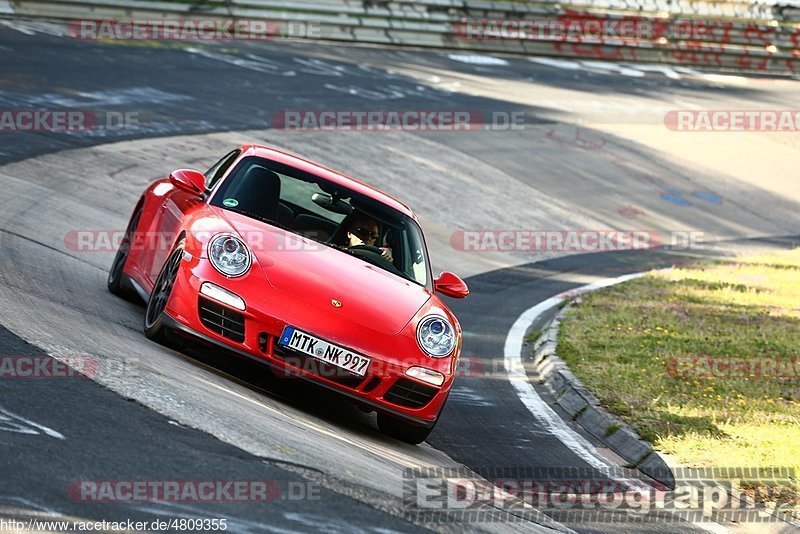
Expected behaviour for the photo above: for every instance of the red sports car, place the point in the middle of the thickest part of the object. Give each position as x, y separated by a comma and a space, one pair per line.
320, 276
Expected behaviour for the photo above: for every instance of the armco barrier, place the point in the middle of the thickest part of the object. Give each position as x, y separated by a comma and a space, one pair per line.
729, 35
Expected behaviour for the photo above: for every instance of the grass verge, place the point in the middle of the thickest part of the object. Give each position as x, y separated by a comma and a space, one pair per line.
703, 361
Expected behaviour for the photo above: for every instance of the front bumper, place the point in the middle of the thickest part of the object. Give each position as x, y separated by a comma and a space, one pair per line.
385, 387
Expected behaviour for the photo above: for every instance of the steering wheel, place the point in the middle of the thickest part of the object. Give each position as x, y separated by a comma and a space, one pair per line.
367, 248
373, 255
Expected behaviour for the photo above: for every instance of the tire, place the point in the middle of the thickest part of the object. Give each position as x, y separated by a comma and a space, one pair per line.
407, 432
115, 282
157, 303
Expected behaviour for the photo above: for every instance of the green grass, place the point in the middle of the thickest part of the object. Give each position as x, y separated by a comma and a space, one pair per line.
534, 335
622, 340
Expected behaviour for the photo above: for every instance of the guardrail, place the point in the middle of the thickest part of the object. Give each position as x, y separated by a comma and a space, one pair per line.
728, 35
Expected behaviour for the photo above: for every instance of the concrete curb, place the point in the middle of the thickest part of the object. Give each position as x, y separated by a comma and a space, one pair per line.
585, 409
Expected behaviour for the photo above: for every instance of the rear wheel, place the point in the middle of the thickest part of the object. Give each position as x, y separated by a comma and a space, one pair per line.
157, 303
115, 274
407, 432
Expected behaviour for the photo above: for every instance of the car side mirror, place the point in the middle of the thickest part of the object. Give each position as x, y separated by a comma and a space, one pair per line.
451, 285
192, 182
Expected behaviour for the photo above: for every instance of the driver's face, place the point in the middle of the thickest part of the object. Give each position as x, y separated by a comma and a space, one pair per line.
366, 232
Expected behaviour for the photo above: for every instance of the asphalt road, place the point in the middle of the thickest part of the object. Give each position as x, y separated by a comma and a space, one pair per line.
587, 158
102, 436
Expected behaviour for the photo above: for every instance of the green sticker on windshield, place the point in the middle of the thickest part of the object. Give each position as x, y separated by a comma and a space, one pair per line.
230, 202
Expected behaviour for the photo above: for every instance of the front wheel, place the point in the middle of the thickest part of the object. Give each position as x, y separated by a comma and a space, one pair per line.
407, 432
157, 303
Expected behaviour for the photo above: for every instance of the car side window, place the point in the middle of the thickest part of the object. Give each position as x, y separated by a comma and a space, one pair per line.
217, 170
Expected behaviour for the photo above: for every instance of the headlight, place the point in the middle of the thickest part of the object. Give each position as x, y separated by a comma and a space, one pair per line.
436, 336
229, 255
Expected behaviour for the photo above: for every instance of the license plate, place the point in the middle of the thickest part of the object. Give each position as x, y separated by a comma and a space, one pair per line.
322, 350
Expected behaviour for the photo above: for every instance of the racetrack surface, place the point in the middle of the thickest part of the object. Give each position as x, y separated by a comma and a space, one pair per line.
593, 155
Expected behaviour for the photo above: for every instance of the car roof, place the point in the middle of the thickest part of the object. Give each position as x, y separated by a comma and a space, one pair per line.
336, 177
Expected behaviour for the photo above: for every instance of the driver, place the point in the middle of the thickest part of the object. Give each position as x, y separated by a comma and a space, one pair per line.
364, 230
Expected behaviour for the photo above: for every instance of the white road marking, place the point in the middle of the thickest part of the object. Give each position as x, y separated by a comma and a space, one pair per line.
633, 70
30, 504
527, 394
132, 95
726, 79
607, 67
14, 25
474, 59
666, 70
250, 62
600, 67
360, 92
468, 396
32, 27
390, 92
318, 67
116, 97
559, 63
11, 423
546, 416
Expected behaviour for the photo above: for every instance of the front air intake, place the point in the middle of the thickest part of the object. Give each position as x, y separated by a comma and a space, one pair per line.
224, 321
410, 393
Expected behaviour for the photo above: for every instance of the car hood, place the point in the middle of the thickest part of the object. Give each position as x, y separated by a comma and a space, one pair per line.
316, 275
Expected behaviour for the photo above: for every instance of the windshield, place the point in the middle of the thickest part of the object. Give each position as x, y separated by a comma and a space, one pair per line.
328, 213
